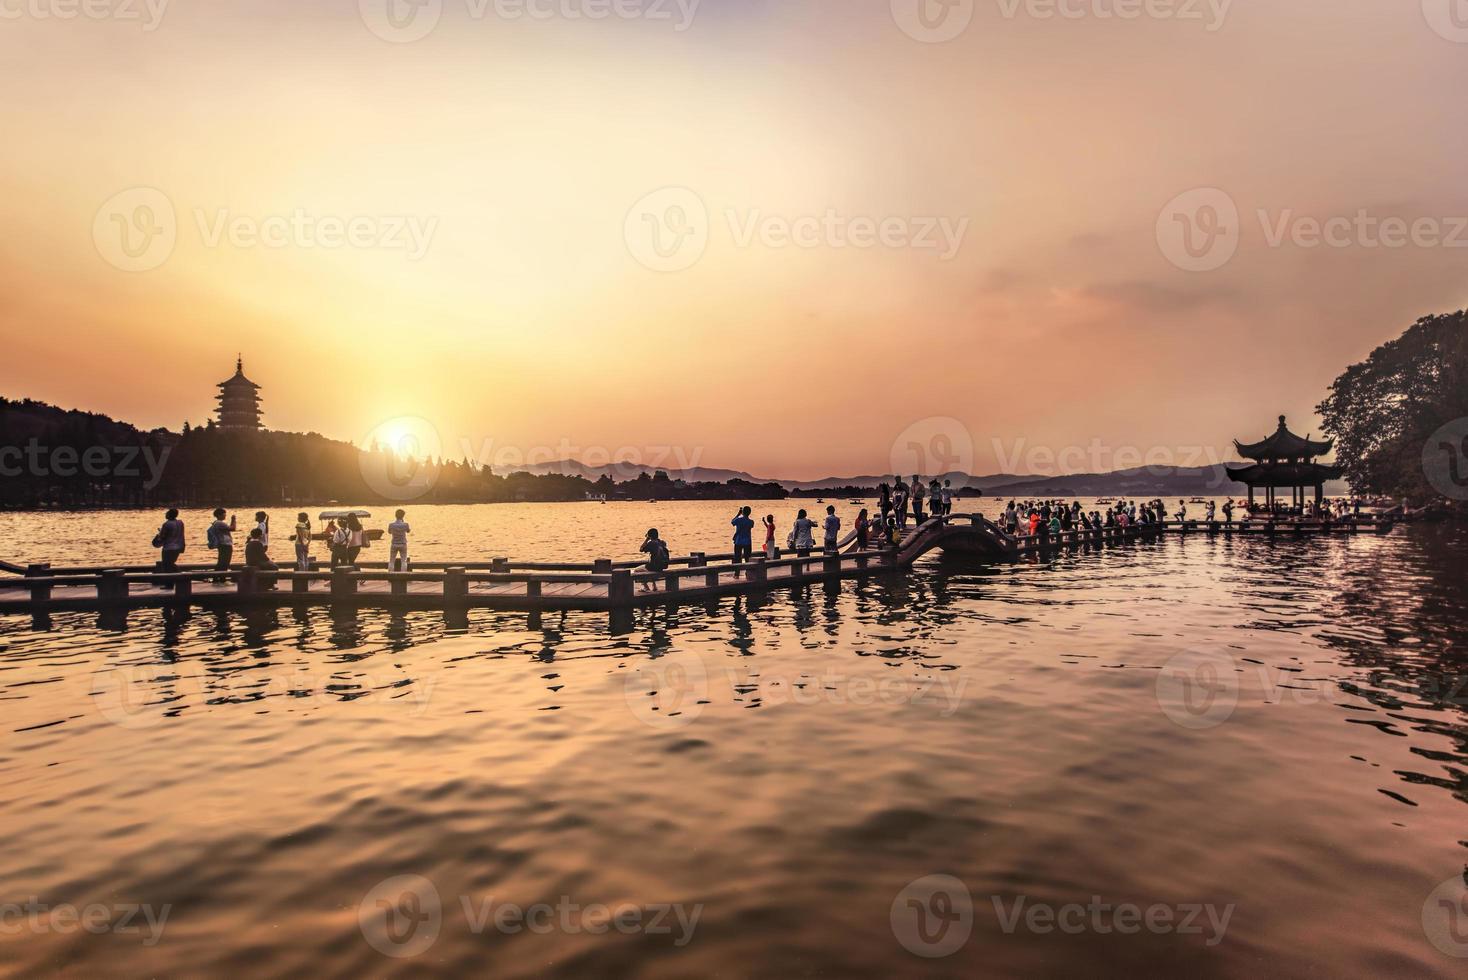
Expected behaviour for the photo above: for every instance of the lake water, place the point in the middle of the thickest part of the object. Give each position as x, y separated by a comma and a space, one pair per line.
1200, 756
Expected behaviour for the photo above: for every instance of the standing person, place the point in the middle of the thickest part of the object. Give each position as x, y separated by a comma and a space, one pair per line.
356, 538
743, 537
947, 497
170, 542
220, 537
1182, 510
770, 536
656, 550
302, 538
397, 551
802, 538
917, 500
1210, 511
335, 536
262, 521
833, 529
935, 497
899, 503
884, 501
862, 530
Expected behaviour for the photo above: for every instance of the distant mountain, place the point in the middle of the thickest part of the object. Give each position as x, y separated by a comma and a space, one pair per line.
622, 472
1146, 481
985, 483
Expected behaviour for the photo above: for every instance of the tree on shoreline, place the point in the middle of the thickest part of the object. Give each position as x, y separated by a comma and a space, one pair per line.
1382, 411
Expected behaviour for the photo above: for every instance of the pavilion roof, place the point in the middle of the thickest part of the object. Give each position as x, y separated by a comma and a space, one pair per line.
1283, 444
1284, 474
238, 379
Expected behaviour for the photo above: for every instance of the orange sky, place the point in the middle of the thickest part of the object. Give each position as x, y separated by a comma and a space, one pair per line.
497, 286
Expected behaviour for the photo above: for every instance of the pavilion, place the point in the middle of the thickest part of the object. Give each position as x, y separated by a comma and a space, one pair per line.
1284, 460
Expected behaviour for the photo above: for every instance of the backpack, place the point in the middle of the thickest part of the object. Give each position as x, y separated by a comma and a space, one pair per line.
657, 559
212, 537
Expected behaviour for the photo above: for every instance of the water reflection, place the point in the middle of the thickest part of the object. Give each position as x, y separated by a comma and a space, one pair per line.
791, 759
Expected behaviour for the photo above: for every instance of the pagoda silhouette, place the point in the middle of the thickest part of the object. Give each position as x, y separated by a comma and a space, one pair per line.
1284, 460
239, 401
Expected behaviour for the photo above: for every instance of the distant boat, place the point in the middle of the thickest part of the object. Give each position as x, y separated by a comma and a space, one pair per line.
1197, 500
1105, 500
856, 501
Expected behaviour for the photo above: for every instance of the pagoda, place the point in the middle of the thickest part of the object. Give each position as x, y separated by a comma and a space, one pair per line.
239, 401
1284, 460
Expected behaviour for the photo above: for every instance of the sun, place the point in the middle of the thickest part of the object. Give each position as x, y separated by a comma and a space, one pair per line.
407, 437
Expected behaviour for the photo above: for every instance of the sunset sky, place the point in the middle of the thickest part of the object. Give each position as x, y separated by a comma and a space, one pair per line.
503, 178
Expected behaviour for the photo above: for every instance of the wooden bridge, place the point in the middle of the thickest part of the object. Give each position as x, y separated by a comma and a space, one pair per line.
601, 585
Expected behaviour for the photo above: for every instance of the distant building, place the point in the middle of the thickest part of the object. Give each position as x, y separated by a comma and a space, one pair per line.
239, 401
